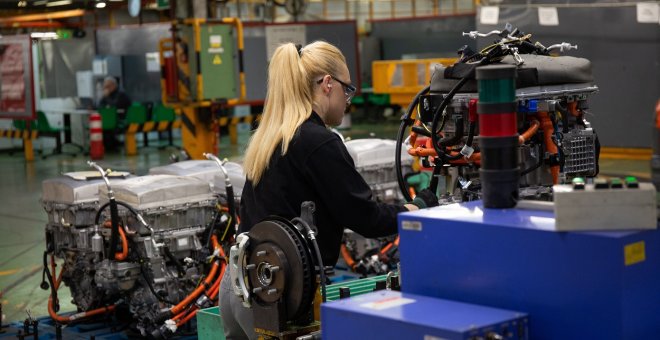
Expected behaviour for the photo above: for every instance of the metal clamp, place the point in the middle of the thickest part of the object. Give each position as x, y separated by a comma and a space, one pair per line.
237, 270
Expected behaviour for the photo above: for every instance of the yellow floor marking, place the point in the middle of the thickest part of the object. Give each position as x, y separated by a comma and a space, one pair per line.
9, 272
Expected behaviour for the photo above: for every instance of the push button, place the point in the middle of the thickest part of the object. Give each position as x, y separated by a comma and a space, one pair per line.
601, 183
631, 182
615, 183
578, 183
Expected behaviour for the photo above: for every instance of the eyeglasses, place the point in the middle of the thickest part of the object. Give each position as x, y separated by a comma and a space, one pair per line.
349, 90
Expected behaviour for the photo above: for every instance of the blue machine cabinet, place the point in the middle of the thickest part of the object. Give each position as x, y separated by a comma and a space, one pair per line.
573, 285
392, 315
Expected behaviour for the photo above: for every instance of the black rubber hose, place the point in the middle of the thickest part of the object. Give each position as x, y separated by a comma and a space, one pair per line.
114, 231
103, 207
318, 254
49, 276
151, 287
438, 113
435, 178
470, 137
405, 121
458, 135
213, 224
177, 264
535, 166
231, 205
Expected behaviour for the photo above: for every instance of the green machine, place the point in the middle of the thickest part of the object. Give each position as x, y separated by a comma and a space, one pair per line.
212, 61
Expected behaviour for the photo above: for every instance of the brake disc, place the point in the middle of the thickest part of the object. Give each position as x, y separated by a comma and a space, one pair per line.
280, 266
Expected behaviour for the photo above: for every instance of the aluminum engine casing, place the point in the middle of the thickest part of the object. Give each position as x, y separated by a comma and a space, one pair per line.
208, 171
166, 202
374, 160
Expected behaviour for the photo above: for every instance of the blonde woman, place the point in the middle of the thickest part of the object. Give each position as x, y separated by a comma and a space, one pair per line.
292, 157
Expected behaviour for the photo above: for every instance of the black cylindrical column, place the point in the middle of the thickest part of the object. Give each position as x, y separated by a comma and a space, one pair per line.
498, 135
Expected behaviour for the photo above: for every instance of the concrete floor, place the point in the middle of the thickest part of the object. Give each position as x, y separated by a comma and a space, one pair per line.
22, 219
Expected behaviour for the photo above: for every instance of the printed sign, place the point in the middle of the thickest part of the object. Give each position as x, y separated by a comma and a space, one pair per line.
548, 16
489, 15
277, 35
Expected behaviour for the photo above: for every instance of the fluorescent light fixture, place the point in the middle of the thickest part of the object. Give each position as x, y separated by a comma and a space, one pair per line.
100, 4
58, 3
44, 35
40, 3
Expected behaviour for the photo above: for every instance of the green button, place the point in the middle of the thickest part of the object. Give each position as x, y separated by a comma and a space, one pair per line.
578, 183
631, 182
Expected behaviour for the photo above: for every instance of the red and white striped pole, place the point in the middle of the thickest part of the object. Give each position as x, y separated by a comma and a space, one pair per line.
96, 149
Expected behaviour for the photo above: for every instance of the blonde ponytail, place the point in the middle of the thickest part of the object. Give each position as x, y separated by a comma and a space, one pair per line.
288, 100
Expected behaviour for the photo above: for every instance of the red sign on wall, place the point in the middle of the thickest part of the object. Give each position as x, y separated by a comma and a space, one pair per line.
16, 92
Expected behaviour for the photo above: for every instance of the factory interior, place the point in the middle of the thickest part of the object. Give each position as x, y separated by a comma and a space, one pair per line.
329, 169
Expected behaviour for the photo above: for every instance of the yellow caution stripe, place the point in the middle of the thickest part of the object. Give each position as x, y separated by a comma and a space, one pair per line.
226, 121
153, 126
19, 134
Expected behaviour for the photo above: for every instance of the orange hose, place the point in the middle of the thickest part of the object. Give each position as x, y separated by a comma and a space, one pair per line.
72, 317
195, 294
546, 125
572, 108
474, 158
529, 133
120, 256
347, 257
412, 192
211, 293
390, 245
387, 248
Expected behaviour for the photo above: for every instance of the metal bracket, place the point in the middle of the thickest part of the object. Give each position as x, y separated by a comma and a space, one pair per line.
237, 270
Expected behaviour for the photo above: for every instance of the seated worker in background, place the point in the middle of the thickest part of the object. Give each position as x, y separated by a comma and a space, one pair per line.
113, 97
292, 157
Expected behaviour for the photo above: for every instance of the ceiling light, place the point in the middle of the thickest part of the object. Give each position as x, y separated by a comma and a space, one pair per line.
100, 4
40, 2
59, 3
22, 3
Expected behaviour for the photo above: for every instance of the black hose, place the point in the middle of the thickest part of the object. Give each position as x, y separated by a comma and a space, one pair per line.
405, 121
438, 113
458, 135
49, 276
311, 237
98, 213
177, 264
114, 219
443, 105
151, 287
213, 224
231, 205
114, 231
470, 137
433, 185
535, 166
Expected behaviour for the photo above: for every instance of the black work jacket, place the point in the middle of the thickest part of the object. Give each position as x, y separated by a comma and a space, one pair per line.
117, 99
317, 167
